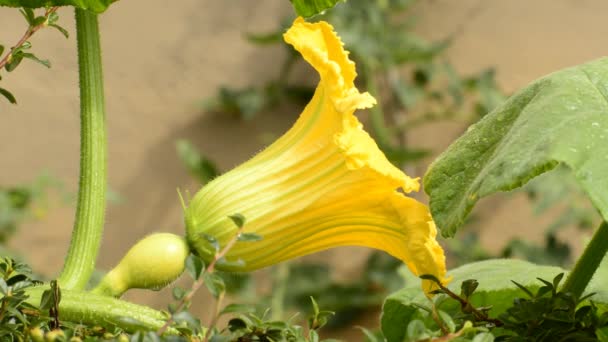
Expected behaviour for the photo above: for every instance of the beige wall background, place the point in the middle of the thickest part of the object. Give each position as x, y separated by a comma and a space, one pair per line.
163, 58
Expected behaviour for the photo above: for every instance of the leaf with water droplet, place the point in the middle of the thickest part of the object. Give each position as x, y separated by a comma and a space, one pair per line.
553, 120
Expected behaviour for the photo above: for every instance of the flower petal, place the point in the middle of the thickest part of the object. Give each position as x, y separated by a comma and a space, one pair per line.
324, 183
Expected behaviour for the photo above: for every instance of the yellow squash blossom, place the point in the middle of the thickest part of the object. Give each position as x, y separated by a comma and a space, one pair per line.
324, 183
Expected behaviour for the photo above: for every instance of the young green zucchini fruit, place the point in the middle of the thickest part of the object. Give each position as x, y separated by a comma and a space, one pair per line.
152, 263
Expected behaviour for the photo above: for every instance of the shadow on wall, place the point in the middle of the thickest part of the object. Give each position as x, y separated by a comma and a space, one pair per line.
221, 137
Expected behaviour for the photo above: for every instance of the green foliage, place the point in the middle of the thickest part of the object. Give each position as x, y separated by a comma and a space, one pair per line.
347, 299
503, 295
553, 252
245, 325
97, 6
309, 8
559, 188
551, 190
16, 315
552, 315
201, 168
18, 52
20, 202
560, 118
494, 290
250, 327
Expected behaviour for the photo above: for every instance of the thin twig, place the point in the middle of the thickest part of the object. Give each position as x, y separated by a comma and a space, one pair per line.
218, 304
201, 280
467, 307
28, 33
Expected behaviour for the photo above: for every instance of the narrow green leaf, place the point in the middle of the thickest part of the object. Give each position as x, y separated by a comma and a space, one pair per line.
14, 63
39, 20
195, 266
561, 118
215, 284
558, 278
416, 330
315, 306
63, 31
405, 155
313, 336
430, 277
178, 293
27, 13
187, 318
3, 287
25, 46
47, 300
238, 219
447, 320
468, 287
369, 335
523, 288
249, 237
309, 8
1, 50
33, 57
602, 334
212, 241
53, 18
483, 337
240, 308
8, 95
265, 38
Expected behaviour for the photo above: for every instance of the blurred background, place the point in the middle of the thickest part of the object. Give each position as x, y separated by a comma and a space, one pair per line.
213, 75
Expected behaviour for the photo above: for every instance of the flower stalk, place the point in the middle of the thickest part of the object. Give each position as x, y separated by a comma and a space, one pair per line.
92, 309
88, 226
588, 263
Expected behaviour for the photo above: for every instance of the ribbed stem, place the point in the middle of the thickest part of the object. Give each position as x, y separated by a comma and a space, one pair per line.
88, 225
588, 263
97, 310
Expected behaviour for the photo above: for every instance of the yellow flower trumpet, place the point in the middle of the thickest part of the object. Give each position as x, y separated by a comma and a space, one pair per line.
324, 183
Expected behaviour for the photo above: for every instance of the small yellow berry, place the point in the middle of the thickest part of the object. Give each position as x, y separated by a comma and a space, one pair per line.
37, 334
53, 335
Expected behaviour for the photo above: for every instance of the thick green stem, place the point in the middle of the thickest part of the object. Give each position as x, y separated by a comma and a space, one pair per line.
96, 310
587, 264
88, 225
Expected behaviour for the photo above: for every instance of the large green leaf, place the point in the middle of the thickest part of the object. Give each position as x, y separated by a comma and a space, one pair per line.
560, 118
308, 8
495, 289
91, 5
